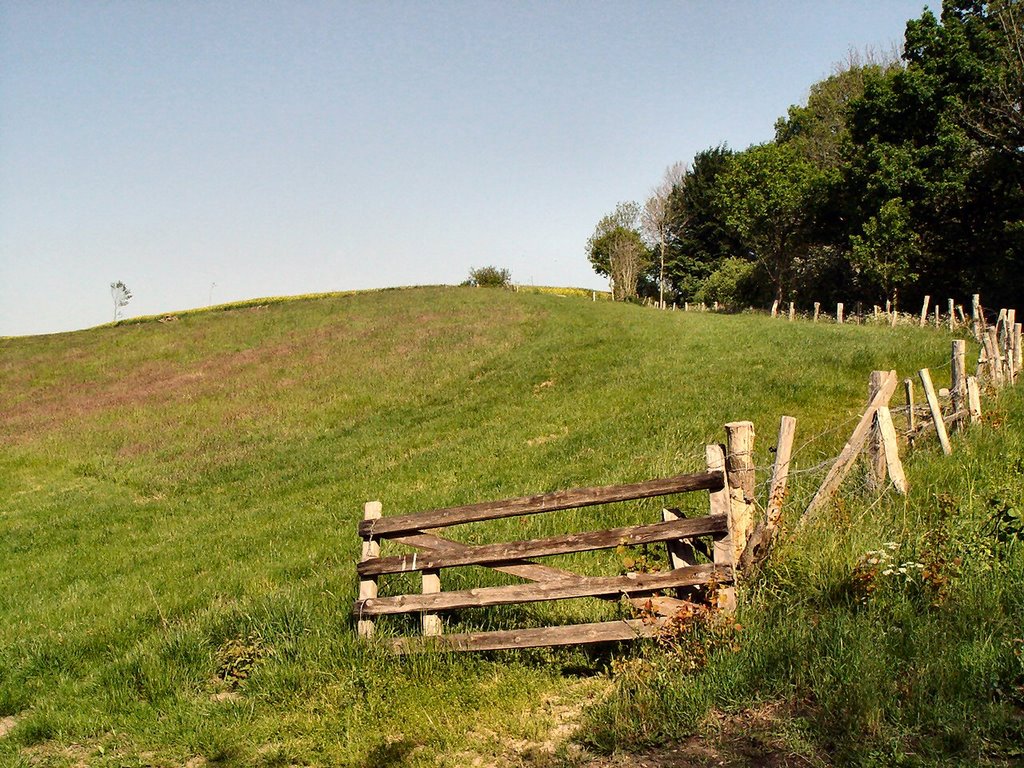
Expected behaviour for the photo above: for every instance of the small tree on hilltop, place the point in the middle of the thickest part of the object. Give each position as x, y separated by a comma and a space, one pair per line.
489, 277
121, 295
617, 250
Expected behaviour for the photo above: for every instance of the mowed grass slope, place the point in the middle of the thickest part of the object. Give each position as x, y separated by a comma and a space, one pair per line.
178, 504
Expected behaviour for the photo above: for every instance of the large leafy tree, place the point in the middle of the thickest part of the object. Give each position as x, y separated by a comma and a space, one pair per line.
698, 239
765, 198
940, 136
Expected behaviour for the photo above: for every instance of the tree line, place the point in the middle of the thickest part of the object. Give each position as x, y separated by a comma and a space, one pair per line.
901, 176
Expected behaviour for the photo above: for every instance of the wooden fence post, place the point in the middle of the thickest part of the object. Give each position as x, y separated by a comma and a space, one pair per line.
876, 450
883, 421
760, 541
933, 405
1011, 345
924, 311
721, 504
952, 315
995, 360
792, 312
780, 472
839, 313
739, 468
958, 380
973, 399
371, 550
817, 309
431, 622
775, 308
1019, 355
908, 387
936, 316
977, 319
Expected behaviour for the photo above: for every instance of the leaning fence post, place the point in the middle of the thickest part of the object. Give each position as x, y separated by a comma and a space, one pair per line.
775, 308
958, 380
1011, 342
924, 311
876, 449
973, 399
908, 387
759, 542
933, 405
977, 319
371, 550
995, 360
1018, 357
850, 451
883, 422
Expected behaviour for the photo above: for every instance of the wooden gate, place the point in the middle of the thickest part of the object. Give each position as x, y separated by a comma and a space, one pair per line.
727, 526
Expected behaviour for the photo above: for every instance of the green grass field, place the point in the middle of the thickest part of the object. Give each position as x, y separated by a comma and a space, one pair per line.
178, 503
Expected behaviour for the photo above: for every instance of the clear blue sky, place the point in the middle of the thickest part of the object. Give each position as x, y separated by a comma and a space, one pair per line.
275, 148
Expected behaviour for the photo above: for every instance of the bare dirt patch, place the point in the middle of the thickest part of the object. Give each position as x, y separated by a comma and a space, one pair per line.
7, 725
753, 737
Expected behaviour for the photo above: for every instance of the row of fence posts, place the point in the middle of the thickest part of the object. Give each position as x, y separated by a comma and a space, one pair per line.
956, 315
999, 363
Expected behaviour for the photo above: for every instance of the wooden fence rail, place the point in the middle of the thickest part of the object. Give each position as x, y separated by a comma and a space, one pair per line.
694, 562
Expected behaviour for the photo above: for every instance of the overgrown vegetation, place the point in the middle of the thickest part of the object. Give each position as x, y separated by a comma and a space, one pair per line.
896, 179
178, 504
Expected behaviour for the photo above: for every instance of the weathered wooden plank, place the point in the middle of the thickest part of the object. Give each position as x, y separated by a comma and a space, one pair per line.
503, 552
721, 504
524, 569
368, 586
924, 311
680, 552
958, 376
973, 399
891, 450
542, 591
739, 469
851, 449
908, 387
995, 359
780, 471
875, 450
431, 622
534, 571
388, 527
933, 406
760, 541
573, 634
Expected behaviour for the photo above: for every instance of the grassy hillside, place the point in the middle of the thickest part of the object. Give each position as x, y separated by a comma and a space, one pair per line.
177, 531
